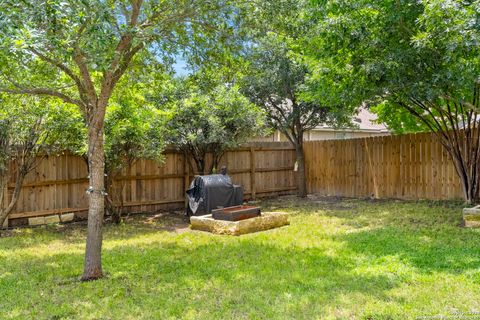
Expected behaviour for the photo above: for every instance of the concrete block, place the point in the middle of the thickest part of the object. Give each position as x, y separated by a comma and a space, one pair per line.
471, 217
52, 219
268, 220
66, 217
474, 210
36, 221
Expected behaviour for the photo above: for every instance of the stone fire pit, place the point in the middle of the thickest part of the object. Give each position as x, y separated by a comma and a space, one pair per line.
268, 220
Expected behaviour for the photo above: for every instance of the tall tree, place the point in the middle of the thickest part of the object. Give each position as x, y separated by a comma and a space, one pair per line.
421, 56
278, 82
77, 51
210, 120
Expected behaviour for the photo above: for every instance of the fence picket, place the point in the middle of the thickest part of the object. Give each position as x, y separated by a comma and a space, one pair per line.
413, 166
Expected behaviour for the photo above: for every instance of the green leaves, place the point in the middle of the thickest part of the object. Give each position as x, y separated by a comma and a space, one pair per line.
132, 132
280, 81
134, 128
32, 126
210, 120
389, 52
399, 120
62, 46
222, 117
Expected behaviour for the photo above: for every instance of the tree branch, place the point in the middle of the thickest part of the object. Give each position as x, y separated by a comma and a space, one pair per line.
60, 66
44, 92
79, 58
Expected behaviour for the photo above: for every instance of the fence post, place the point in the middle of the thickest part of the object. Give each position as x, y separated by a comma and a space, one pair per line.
186, 177
253, 186
5, 202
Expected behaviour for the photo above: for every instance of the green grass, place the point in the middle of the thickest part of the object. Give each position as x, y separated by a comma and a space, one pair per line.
339, 259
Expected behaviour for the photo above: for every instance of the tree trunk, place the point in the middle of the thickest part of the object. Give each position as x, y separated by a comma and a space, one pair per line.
216, 157
3, 185
469, 177
96, 210
198, 156
5, 211
301, 179
200, 163
114, 202
457, 129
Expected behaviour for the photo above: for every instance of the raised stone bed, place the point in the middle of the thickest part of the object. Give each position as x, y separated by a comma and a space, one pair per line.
268, 220
471, 217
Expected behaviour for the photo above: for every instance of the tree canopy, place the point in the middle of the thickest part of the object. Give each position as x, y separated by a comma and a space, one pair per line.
210, 119
396, 52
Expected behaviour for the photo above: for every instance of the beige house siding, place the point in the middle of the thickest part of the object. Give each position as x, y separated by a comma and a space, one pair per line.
365, 126
341, 134
325, 134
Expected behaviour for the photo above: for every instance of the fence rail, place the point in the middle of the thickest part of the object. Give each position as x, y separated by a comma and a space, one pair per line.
413, 166
58, 184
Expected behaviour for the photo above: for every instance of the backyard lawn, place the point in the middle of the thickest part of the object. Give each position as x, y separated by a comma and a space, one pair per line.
339, 259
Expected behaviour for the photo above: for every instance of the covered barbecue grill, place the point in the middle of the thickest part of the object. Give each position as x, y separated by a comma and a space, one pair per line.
211, 192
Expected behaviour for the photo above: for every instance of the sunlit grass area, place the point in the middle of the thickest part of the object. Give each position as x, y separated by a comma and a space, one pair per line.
339, 259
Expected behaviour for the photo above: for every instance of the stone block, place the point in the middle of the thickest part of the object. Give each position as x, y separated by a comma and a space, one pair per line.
474, 210
36, 221
268, 220
52, 219
66, 217
471, 217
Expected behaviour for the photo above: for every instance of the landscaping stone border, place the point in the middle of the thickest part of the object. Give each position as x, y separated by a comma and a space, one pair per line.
55, 218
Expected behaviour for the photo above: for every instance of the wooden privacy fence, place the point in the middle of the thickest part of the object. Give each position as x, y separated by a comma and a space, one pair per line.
413, 166
58, 184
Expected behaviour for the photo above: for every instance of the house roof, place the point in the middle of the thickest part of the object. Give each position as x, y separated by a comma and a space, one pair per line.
364, 120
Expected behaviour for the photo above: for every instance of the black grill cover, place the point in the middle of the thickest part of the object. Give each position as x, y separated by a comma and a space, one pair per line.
210, 192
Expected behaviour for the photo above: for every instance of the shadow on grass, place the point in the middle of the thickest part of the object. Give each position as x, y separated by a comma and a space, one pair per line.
223, 277
75, 233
